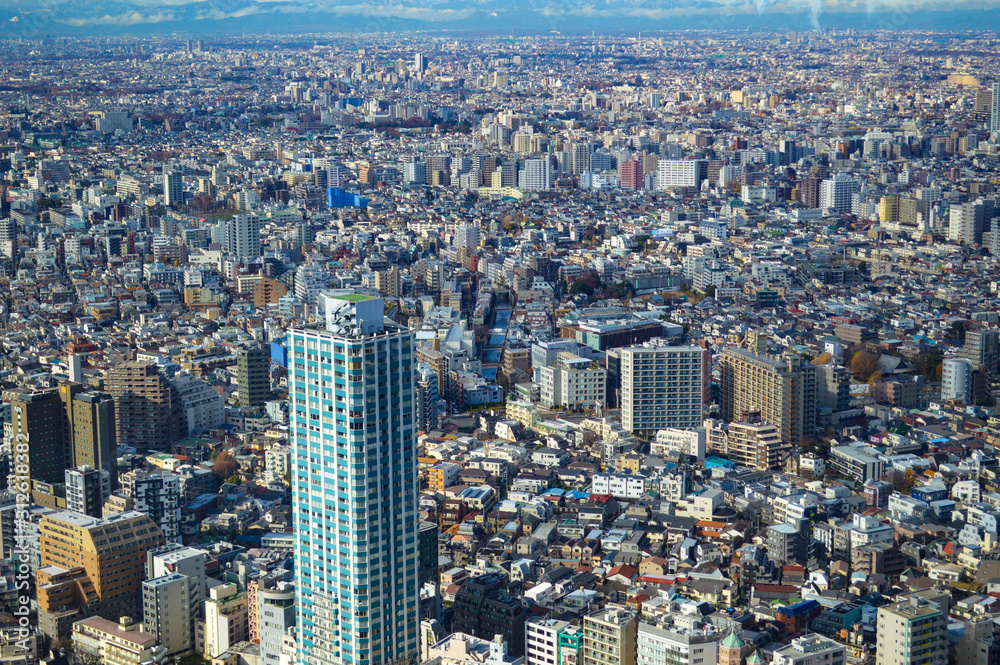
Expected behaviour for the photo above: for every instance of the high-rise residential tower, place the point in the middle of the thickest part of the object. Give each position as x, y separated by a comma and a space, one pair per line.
147, 409
835, 193
352, 425
173, 188
64, 428
37, 419
995, 111
661, 386
783, 390
243, 236
93, 431
253, 374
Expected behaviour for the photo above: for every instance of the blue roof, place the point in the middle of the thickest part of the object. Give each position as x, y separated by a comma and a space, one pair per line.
712, 462
800, 608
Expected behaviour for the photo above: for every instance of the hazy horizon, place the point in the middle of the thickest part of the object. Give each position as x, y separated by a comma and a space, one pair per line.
31, 19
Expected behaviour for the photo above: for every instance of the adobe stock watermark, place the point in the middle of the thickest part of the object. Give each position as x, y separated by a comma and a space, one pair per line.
20, 551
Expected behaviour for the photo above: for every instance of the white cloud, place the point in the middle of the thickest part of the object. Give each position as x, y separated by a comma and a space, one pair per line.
216, 14
397, 11
164, 3
130, 18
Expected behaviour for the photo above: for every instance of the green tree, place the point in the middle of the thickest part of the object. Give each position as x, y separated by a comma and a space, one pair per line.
46, 202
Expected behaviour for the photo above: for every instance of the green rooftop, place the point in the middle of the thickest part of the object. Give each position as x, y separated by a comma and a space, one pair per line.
354, 297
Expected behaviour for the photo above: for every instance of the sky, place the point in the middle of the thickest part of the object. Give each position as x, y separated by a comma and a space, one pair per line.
39, 18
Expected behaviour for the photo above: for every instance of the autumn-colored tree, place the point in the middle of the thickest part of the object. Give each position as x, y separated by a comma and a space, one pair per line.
865, 366
823, 358
225, 464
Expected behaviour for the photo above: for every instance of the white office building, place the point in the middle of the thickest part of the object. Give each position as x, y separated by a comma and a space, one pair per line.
572, 382
166, 612
678, 173
541, 641
811, 649
536, 176
310, 280
956, 379
619, 485
835, 194
675, 441
157, 495
203, 408
467, 235
276, 614
114, 121
243, 236
678, 640
414, 173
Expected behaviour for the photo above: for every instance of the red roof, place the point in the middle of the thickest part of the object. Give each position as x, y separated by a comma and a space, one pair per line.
625, 570
776, 588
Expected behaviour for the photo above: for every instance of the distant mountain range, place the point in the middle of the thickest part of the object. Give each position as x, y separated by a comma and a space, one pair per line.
38, 18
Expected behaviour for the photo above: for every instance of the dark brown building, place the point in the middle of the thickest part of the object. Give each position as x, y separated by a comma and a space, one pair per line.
484, 608
810, 191
147, 408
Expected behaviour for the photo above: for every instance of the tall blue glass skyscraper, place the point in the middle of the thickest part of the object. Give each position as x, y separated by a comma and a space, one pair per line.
354, 483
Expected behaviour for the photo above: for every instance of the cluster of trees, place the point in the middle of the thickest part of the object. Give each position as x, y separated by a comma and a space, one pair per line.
928, 364
592, 286
46, 202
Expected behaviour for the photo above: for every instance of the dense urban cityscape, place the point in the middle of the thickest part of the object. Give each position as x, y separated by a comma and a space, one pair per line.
659, 348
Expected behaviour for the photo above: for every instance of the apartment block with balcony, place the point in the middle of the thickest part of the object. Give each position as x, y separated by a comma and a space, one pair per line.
679, 641
572, 382
912, 632
609, 637
782, 390
661, 387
